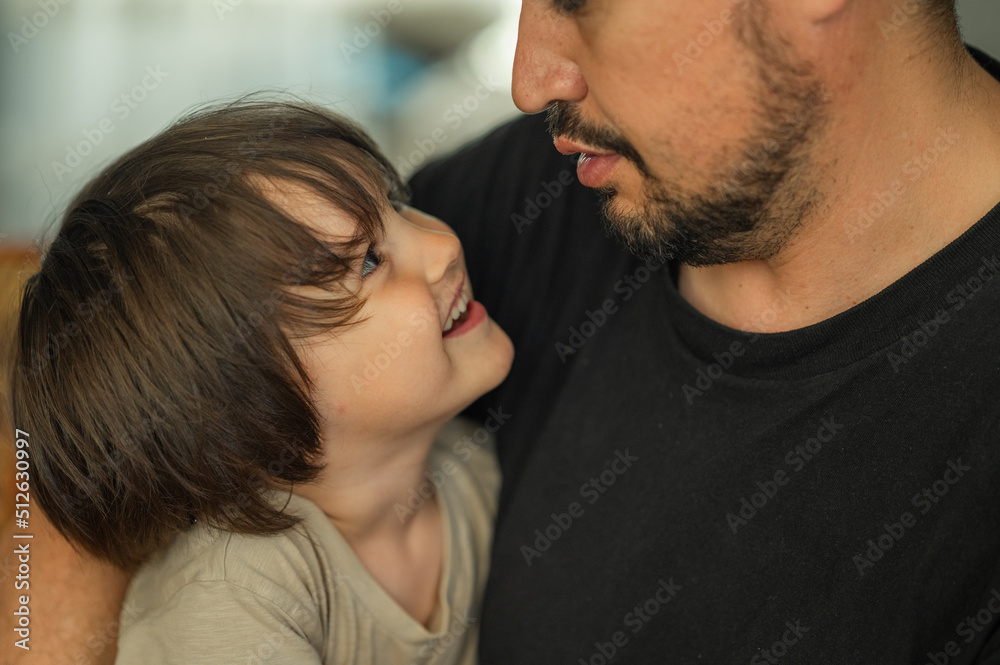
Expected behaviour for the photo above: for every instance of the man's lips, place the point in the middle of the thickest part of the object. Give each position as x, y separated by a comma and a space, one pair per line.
567, 147
594, 167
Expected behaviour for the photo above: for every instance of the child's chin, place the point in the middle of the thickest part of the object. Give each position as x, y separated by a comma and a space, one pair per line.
504, 356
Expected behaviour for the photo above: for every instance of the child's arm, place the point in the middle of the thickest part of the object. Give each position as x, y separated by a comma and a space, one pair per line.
74, 600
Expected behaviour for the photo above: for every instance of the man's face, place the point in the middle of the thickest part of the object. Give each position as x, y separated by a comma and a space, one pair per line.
696, 119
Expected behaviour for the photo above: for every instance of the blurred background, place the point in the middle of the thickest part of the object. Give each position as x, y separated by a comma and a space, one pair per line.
84, 80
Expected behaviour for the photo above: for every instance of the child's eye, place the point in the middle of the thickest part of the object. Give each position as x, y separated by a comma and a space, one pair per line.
370, 262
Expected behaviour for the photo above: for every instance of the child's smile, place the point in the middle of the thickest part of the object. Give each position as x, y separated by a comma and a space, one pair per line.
423, 347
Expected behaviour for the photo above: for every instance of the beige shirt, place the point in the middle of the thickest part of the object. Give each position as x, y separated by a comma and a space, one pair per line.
303, 596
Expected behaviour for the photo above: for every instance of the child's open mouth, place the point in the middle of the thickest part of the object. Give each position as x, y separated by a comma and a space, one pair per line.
459, 314
473, 315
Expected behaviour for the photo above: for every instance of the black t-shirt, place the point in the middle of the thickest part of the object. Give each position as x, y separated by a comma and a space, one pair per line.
676, 491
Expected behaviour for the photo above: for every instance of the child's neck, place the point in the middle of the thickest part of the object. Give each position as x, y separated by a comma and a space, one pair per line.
365, 491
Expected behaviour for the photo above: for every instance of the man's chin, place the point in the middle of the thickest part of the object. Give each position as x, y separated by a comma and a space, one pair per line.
630, 224
620, 205
653, 234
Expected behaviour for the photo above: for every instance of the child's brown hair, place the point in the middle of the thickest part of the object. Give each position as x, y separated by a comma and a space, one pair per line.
153, 366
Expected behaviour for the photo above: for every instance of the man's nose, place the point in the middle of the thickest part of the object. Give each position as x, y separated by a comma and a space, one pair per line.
544, 71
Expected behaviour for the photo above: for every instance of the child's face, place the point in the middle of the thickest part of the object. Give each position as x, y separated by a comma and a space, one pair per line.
398, 371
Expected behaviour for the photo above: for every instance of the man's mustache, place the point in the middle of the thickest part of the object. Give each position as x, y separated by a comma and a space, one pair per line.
565, 119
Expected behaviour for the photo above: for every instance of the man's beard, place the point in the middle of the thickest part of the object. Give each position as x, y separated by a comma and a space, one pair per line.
756, 205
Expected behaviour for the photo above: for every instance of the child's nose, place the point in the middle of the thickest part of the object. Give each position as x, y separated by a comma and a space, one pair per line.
440, 248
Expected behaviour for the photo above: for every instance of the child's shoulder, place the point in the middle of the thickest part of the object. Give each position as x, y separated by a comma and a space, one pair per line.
285, 572
214, 596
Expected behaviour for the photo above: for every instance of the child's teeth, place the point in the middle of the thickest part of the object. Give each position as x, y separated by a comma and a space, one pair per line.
458, 310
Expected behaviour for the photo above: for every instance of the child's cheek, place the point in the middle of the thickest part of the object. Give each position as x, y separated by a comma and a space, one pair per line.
423, 319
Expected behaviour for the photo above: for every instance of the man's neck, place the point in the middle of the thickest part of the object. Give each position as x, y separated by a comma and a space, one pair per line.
910, 160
